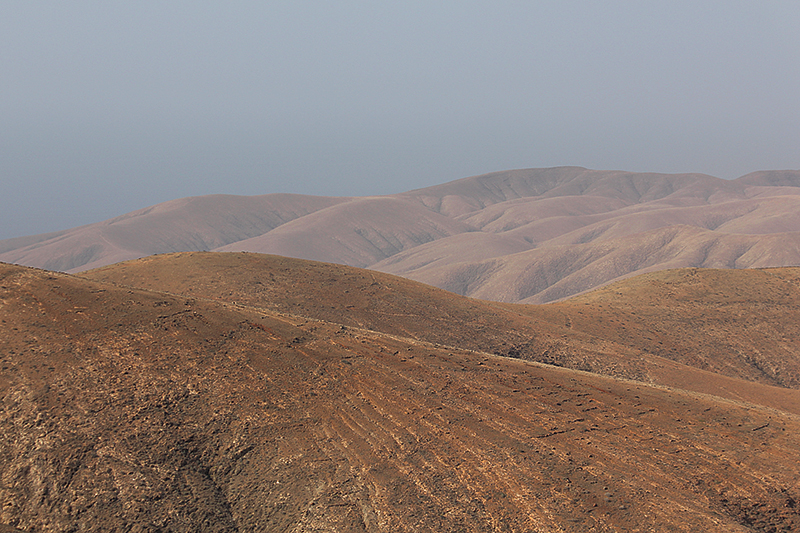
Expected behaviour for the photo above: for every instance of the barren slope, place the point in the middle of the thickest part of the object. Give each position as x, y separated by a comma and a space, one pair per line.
359, 232
530, 236
468, 195
546, 333
548, 273
197, 223
742, 323
182, 414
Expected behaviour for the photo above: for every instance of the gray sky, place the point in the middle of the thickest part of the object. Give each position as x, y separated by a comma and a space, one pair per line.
106, 107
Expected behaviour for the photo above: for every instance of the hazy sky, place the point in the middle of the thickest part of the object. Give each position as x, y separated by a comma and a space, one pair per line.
107, 107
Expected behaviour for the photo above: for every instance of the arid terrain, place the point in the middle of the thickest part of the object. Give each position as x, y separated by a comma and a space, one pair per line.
728, 323
243, 392
523, 236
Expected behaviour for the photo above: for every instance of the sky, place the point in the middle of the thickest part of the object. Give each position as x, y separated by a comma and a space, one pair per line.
107, 107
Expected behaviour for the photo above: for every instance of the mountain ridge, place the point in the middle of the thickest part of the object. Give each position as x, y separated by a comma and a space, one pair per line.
477, 236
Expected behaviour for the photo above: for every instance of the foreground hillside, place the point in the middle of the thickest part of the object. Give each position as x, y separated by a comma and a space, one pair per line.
742, 323
722, 332
525, 236
127, 409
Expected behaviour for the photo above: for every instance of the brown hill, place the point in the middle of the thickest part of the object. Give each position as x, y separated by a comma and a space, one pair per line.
740, 323
709, 348
528, 236
125, 409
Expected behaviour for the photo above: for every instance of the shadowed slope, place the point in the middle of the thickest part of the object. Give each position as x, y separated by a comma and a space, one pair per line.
183, 414
397, 306
779, 178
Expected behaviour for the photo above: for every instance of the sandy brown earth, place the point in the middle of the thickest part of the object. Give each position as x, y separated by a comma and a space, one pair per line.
523, 236
126, 409
726, 326
740, 323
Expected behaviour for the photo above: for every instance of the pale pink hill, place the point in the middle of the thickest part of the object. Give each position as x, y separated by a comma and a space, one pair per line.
779, 178
187, 224
359, 232
521, 235
472, 194
747, 216
550, 273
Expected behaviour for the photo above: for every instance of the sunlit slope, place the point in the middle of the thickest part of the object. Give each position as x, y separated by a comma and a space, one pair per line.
548, 333
181, 413
743, 323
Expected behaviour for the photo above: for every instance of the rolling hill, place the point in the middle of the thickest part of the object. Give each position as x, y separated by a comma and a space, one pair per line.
198, 223
526, 236
237, 392
657, 321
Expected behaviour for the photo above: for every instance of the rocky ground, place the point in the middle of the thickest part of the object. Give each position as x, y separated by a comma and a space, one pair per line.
126, 409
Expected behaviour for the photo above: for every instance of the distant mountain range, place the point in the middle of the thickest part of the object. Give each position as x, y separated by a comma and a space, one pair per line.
527, 236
